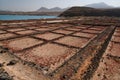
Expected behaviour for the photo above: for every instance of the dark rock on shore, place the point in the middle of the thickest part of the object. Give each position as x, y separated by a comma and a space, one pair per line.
12, 62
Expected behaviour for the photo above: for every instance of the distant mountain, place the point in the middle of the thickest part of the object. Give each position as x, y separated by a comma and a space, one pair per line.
55, 9
43, 9
99, 5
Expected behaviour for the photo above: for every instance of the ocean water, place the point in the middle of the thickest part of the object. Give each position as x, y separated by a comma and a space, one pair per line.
24, 17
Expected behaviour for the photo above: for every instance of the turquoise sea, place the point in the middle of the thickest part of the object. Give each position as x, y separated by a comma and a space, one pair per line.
24, 17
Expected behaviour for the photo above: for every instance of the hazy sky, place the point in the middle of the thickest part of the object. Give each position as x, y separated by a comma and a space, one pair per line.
31, 5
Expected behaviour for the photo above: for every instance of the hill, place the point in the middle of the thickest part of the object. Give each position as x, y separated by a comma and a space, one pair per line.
87, 11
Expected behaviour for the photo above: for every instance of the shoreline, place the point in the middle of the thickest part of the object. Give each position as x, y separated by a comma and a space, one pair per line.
31, 13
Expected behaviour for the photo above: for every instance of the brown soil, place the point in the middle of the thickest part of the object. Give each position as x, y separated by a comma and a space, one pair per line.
75, 48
